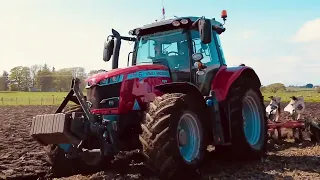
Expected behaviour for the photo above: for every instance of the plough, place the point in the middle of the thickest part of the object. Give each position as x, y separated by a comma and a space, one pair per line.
295, 107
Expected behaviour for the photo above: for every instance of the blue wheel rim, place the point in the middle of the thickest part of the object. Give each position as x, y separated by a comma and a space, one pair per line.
252, 121
189, 137
65, 147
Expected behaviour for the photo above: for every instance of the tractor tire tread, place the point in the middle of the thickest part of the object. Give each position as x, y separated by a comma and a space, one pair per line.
157, 147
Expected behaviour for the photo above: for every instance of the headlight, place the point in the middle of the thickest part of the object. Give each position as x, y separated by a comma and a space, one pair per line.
176, 23
184, 21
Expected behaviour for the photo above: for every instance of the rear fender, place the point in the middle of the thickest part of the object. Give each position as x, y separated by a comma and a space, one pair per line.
226, 76
183, 87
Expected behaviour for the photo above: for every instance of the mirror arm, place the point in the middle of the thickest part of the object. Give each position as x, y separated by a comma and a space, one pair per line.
128, 38
110, 36
195, 23
116, 49
218, 29
129, 57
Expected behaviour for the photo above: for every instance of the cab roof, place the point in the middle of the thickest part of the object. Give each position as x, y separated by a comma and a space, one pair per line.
166, 22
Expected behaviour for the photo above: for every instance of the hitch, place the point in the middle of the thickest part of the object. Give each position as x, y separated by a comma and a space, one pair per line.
75, 90
57, 128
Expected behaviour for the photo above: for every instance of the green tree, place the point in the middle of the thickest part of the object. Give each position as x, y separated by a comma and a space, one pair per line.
309, 85
4, 81
33, 72
62, 79
78, 72
26, 79
275, 87
44, 79
20, 78
92, 72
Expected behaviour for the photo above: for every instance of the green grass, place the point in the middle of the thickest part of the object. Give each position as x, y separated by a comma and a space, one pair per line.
31, 98
308, 95
55, 98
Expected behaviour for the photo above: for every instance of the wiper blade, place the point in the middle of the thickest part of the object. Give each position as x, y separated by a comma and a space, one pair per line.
148, 62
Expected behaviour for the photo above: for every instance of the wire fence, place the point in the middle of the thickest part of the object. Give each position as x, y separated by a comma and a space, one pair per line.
31, 100
57, 100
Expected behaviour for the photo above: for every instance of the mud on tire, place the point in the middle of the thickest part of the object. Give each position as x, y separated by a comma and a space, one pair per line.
159, 137
240, 148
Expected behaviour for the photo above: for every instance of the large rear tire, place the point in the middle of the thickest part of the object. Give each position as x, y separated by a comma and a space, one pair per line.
173, 137
249, 128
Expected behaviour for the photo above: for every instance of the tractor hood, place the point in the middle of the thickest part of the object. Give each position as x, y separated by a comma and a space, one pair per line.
120, 73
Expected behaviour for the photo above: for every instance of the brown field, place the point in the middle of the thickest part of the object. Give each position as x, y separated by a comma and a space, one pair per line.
23, 158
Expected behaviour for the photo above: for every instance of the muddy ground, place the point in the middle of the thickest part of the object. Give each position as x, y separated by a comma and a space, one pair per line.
22, 158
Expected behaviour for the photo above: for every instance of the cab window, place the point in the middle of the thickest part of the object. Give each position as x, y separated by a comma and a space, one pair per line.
209, 51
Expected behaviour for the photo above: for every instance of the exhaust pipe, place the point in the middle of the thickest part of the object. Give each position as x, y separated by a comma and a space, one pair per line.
116, 49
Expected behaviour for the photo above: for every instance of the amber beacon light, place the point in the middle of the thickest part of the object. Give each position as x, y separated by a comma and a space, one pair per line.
224, 14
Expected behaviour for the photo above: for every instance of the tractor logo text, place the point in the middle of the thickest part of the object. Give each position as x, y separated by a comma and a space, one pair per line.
149, 73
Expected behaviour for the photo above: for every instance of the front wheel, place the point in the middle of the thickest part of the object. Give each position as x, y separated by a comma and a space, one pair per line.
173, 136
64, 166
61, 165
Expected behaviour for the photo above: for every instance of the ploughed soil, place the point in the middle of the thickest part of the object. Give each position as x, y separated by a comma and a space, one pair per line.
23, 158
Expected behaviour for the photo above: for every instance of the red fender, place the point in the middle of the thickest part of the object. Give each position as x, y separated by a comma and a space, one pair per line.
227, 75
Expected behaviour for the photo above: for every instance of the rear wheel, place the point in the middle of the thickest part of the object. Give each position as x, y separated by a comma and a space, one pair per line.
248, 123
173, 136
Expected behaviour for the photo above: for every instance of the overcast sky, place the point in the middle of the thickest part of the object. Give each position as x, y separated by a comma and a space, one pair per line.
279, 39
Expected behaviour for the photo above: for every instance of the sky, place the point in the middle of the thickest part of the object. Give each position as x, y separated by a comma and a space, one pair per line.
280, 40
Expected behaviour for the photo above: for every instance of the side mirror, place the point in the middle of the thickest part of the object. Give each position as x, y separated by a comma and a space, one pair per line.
205, 30
108, 50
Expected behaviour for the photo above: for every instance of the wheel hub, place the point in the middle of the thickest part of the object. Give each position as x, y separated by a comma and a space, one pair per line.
182, 137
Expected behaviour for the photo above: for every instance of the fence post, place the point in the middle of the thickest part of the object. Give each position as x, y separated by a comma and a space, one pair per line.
16, 100
52, 99
2, 100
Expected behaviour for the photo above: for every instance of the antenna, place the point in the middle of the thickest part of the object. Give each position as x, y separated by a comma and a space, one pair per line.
163, 12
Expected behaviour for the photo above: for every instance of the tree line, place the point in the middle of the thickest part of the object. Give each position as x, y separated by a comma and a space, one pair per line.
41, 78
279, 87
48, 79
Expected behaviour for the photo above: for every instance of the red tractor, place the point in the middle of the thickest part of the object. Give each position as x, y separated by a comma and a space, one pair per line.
177, 98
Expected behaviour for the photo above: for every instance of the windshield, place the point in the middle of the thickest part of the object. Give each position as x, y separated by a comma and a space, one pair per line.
169, 48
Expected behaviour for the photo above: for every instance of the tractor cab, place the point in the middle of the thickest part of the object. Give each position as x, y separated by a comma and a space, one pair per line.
188, 46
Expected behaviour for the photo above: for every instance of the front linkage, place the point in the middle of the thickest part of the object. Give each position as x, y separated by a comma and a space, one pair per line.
77, 132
